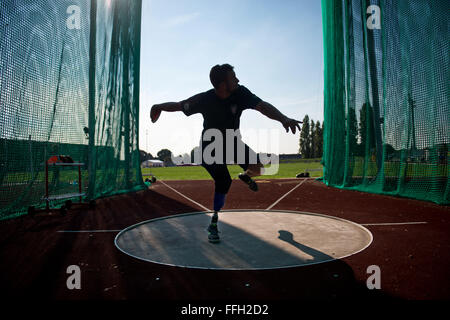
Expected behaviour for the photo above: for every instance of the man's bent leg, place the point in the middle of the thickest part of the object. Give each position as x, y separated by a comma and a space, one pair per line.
222, 181
252, 168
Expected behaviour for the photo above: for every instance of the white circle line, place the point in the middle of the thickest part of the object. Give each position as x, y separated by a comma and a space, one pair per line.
242, 269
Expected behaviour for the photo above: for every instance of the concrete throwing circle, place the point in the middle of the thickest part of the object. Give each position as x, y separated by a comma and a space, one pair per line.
250, 240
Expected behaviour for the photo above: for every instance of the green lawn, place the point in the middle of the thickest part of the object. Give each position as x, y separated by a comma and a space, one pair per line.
392, 169
286, 170
290, 170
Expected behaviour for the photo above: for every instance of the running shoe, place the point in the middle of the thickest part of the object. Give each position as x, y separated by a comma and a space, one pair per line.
249, 181
213, 233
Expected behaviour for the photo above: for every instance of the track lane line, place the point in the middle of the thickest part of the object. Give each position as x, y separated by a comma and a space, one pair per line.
101, 231
86, 231
186, 197
363, 224
285, 195
393, 223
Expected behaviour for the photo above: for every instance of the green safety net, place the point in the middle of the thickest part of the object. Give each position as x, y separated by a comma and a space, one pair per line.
386, 97
69, 80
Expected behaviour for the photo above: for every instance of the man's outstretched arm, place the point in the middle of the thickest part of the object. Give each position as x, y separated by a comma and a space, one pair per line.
168, 106
273, 113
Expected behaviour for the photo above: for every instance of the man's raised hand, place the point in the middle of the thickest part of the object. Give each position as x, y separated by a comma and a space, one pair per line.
291, 124
155, 113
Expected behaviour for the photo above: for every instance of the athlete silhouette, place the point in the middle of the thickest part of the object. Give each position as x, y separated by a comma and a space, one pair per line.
221, 108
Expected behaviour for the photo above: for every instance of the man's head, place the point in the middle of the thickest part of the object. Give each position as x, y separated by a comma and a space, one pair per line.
223, 78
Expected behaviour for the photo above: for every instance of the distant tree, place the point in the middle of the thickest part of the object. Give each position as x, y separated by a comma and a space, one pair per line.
163, 154
166, 156
313, 139
169, 163
321, 142
442, 150
390, 151
317, 140
195, 154
305, 139
366, 129
322, 130
143, 156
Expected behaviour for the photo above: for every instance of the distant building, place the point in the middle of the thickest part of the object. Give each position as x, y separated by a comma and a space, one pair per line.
152, 163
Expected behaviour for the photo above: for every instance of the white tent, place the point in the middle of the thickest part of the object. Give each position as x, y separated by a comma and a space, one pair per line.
152, 163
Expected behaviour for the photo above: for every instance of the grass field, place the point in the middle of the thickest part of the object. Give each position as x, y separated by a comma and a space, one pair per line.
393, 169
286, 170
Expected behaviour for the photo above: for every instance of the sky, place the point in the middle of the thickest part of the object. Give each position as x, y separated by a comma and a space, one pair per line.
276, 50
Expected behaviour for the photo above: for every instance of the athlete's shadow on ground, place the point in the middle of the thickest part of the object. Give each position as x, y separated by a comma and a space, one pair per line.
331, 279
182, 241
315, 254
144, 280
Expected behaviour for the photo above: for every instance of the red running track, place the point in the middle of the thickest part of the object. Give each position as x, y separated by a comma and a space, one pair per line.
414, 259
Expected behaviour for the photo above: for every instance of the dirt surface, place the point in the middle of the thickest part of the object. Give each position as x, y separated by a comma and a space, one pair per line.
414, 259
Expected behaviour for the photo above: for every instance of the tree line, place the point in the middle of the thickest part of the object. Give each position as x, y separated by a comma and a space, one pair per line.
163, 155
310, 144
311, 139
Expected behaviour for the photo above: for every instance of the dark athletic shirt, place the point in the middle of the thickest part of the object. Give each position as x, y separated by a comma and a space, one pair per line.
219, 113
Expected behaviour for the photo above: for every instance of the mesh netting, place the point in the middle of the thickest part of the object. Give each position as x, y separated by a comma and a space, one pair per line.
387, 97
69, 80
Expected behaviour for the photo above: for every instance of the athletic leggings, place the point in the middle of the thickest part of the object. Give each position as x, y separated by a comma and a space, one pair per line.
221, 175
